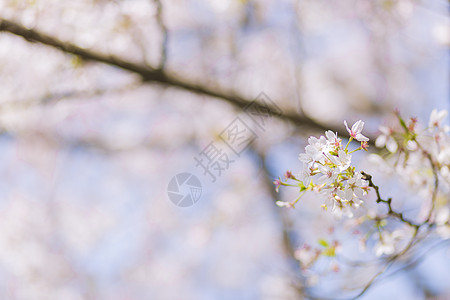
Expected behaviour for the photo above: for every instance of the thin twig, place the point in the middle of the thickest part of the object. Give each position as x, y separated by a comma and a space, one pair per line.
164, 32
389, 263
391, 212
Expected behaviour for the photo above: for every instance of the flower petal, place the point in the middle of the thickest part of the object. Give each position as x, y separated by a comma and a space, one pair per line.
361, 138
346, 126
358, 127
381, 141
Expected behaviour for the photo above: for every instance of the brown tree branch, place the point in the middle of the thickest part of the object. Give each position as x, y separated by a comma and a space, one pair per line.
150, 74
388, 202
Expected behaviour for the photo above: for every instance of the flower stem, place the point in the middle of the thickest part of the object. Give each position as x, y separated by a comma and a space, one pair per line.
355, 150
348, 143
296, 200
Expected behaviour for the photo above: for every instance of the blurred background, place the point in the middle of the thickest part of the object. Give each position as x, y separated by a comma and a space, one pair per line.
89, 144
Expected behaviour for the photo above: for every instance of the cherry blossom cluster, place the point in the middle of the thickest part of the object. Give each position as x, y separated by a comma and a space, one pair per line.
422, 157
307, 255
419, 155
379, 233
327, 170
406, 139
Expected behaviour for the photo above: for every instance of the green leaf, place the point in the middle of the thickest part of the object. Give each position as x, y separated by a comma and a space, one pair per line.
323, 243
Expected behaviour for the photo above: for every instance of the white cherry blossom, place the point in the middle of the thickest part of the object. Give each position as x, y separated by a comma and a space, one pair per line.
436, 118
328, 175
333, 140
316, 147
305, 176
342, 161
385, 245
386, 139
355, 132
442, 223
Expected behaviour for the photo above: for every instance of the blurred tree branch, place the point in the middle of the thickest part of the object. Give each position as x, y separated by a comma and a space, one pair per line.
150, 74
164, 32
288, 245
52, 98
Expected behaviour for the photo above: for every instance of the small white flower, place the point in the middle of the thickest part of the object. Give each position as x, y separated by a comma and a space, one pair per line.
386, 139
357, 184
442, 223
318, 143
354, 189
306, 256
445, 172
385, 245
284, 204
333, 140
315, 149
411, 145
305, 177
436, 118
345, 195
306, 159
342, 161
328, 177
444, 156
344, 211
355, 132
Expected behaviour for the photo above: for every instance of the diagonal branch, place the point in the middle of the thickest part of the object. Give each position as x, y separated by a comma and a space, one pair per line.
149, 74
